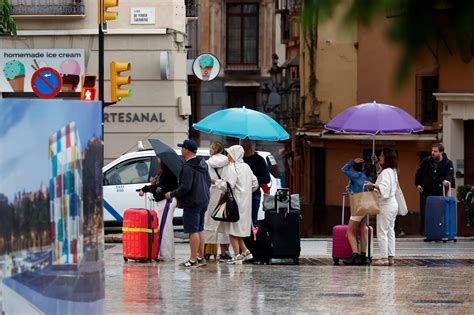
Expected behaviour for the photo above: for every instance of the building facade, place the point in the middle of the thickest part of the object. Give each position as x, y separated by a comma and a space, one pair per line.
150, 35
358, 65
242, 36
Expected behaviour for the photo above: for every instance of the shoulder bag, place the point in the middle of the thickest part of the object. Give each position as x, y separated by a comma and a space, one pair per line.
226, 209
402, 205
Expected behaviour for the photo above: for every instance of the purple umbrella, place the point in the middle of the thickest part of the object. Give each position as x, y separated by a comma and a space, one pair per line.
374, 118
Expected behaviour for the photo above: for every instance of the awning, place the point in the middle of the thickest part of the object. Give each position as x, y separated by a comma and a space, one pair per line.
242, 83
342, 136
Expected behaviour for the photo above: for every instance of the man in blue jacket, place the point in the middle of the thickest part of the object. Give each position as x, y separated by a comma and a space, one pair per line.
193, 196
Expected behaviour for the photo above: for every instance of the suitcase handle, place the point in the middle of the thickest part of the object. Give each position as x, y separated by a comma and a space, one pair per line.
282, 195
344, 194
449, 190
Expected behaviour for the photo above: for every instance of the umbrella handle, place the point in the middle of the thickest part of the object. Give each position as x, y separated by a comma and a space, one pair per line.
373, 149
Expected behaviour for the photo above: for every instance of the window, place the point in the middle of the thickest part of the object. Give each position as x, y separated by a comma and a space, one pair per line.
426, 103
239, 97
129, 172
242, 33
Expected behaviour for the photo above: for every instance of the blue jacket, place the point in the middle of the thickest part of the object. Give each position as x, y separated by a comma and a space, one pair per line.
356, 179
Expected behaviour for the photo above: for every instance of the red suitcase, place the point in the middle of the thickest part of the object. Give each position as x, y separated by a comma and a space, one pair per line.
341, 249
140, 235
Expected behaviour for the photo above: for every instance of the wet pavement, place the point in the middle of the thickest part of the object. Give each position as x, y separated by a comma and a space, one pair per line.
434, 278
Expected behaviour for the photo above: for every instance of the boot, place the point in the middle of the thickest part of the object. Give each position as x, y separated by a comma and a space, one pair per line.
353, 260
363, 259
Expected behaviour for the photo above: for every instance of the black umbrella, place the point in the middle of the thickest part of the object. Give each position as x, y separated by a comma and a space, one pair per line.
169, 156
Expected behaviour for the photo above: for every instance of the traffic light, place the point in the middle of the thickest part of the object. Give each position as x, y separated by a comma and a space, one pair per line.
103, 12
116, 80
88, 90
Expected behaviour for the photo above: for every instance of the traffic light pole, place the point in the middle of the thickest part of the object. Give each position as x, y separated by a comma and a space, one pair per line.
101, 64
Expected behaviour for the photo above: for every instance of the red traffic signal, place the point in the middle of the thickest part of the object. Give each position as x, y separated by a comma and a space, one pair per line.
88, 94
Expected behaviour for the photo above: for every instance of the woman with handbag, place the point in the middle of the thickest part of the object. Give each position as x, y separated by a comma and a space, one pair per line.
217, 163
242, 182
386, 185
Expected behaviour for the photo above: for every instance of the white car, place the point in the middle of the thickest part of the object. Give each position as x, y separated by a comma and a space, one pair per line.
122, 179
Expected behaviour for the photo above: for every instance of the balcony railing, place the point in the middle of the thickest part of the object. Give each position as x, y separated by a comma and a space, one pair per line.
47, 7
192, 8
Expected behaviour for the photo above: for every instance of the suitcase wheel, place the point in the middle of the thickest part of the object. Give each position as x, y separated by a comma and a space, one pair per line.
455, 240
444, 241
296, 261
157, 259
336, 260
125, 259
142, 260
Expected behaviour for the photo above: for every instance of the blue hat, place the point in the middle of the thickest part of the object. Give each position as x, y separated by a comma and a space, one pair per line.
189, 145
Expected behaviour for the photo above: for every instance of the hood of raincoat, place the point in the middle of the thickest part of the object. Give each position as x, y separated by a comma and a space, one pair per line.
237, 153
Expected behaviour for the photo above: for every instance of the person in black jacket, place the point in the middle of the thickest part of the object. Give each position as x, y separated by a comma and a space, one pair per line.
260, 170
434, 174
193, 195
165, 181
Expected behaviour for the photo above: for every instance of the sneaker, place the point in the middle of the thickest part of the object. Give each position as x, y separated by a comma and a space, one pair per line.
190, 264
247, 255
202, 261
236, 260
224, 258
363, 259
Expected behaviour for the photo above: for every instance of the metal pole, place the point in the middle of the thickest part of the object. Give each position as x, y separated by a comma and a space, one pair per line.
101, 69
101, 63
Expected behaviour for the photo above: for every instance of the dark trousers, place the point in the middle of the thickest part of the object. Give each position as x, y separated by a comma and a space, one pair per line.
422, 213
256, 196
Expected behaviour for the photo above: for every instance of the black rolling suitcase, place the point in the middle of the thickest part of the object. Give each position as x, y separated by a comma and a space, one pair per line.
282, 221
259, 244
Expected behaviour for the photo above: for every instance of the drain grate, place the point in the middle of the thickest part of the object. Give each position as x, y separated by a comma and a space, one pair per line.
437, 302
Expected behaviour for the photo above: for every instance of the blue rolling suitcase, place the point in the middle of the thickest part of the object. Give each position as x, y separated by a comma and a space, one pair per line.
440, 218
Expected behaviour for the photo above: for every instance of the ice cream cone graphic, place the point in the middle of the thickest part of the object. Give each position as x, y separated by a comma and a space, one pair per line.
70, 71
14, 71
206, 63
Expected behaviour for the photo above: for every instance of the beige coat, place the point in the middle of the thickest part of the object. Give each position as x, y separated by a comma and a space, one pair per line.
217, 162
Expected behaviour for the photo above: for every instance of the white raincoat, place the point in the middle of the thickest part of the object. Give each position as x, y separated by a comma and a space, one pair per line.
243, 183
217, 162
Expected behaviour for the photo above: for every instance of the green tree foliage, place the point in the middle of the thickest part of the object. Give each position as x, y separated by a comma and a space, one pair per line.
414, 25
7, 24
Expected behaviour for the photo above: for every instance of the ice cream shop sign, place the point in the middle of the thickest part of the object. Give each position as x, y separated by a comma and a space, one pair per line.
17, 67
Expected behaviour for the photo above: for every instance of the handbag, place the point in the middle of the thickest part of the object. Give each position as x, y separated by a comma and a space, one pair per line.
402, 205
365, 203
226, 209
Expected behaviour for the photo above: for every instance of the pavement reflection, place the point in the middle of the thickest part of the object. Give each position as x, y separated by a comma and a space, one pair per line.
166, 287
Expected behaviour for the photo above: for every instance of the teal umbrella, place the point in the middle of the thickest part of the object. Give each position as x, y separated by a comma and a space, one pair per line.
242, 123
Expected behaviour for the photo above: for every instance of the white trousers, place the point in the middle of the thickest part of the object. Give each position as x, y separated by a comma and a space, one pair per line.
386, 229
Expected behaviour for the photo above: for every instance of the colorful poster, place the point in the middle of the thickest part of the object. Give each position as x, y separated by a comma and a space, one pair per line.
17, 67
51, 238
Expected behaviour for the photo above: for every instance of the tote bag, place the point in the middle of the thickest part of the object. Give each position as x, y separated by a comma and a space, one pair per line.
226, 209
402, 205
365, 203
